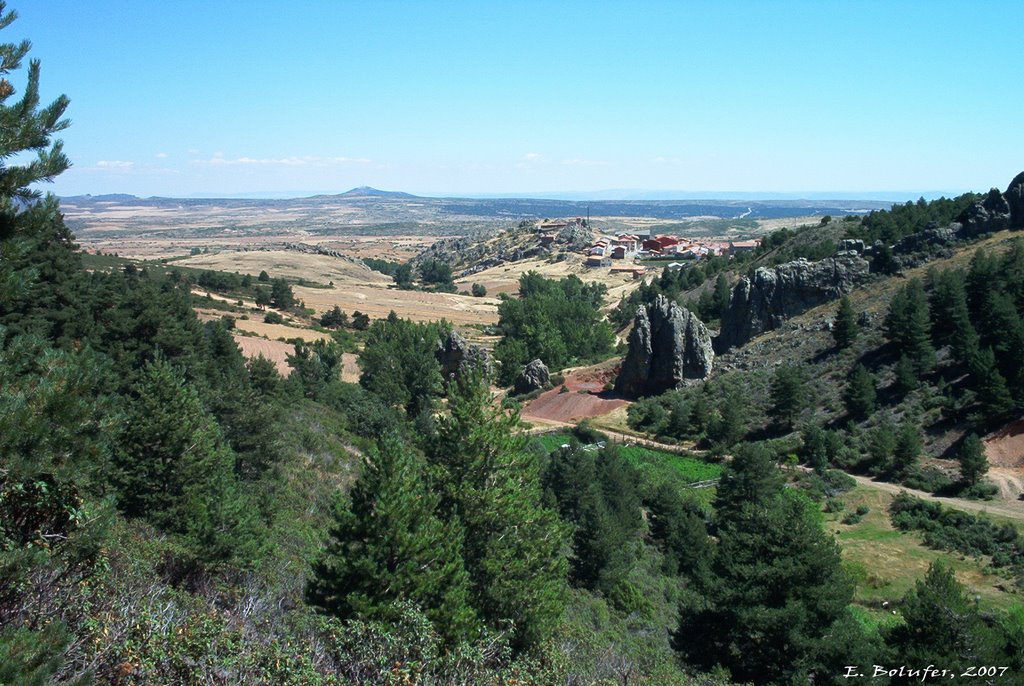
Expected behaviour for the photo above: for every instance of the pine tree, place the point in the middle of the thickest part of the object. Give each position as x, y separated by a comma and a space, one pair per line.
389, 545
845, 329
814, 448
860, 393
281, 295
722, 296
27, 132
398, 362
941, 626
905, 377
950, 316
679, 529
728, 424
973, 462
596, 491
1005, 335
982, 277
907, 448
174, 468
881, 446
750, 479
776, 586
994, 399
908, 327
262, 297
963, 338
488, 481
917, 338
27, 127
788, 394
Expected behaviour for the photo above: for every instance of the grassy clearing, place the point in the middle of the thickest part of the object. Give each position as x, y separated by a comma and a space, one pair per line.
886, 563
687, 469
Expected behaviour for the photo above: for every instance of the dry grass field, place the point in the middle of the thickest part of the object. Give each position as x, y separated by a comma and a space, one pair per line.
886, 562
505, 278
377, 301
288, 264
393, 248
278, 331
355, 288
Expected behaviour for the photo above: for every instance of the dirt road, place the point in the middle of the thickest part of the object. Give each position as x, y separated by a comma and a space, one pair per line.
1002, 509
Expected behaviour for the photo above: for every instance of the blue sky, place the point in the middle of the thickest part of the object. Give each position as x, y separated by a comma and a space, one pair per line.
231, 97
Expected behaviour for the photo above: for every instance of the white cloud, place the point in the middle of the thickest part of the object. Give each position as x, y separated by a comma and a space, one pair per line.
218, 160
115, 164
529, 159
162, 155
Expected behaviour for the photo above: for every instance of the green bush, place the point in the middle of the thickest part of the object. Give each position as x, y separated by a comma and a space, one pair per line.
947, 529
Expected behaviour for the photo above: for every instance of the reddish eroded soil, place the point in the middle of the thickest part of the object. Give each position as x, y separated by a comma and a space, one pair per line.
1005, 450
586, 397
1005, 447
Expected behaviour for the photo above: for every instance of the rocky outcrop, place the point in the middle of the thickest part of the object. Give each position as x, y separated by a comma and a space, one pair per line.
667, 346
985, 216
763, 302
1015, 200
998, 211
851, 245
931, 237
575, 237
534, 377
456, 357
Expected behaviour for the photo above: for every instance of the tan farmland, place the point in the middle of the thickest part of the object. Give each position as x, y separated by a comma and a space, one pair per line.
505, 278
288, 264
355, 288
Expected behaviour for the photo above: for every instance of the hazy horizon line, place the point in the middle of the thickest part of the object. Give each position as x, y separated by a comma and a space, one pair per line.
611, 195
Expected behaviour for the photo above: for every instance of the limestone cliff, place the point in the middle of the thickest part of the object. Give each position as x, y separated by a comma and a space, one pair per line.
667, 346
762, 302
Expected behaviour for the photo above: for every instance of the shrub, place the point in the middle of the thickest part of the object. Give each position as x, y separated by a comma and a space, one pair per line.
273, 318
852, 518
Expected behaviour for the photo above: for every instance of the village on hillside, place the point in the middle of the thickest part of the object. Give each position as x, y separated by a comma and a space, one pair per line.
630, 250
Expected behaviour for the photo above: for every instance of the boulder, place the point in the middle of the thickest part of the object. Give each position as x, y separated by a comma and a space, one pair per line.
851, 245
930, 237
668, 346
456, 357
575, 237
985, 216
534, 376
771, 296
1015, 200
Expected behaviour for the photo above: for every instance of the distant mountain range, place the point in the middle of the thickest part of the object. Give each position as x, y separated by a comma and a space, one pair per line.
378, 205
618, 194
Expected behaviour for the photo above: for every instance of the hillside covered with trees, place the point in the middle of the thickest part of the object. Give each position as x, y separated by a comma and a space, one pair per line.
173, 513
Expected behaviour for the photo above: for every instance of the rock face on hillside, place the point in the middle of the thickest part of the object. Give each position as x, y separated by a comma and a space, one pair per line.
774, 295
985, 216
1015, 199
575, 237
456, 356
534, 376
667, 346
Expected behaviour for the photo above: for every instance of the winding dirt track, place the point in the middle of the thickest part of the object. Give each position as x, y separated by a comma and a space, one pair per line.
1006, 509
1002, 509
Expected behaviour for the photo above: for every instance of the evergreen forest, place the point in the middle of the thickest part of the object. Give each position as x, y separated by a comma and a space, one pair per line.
172, 512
